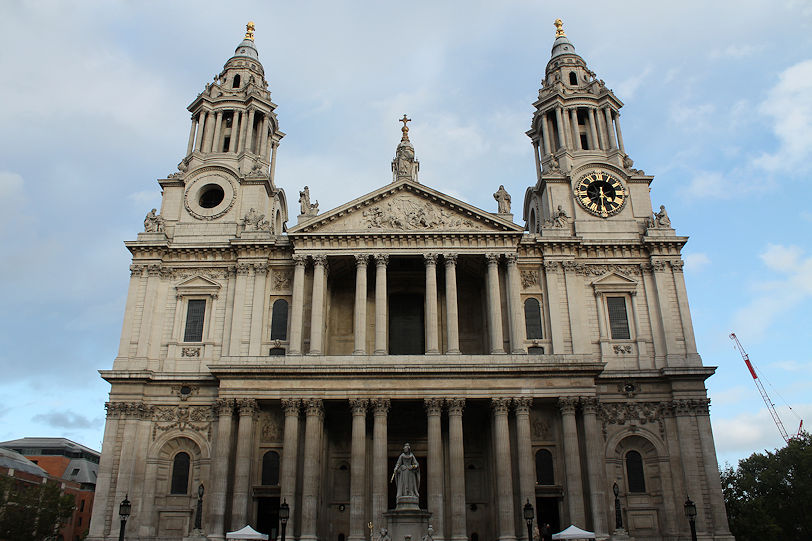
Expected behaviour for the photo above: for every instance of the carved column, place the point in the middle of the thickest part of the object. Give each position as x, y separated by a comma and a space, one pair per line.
572, 461
662, 278
595, 467
201, 130
516, 321
524, 444
593, 129
360, 310
504, 486
290, 454
381, 261
220, 467
104, 485
249, 133
432, 340
242, 463
545, 134
717, 503
314, 427
559, 119
235, 125
451, 313
434, 408
317, 307
553, 276
263, 139
597, 119
610, 131
456, 468
297, 304
218, 126
494, 304
191, 144
576, 131
241, 133
357, 469
380, 482
619, 134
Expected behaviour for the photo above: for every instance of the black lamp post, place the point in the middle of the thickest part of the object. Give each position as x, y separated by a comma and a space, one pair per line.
199, 517
124, 512
528, 518
284, 515
618, 515
690, 512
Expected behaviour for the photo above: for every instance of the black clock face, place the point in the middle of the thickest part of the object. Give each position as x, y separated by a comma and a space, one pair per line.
600, 193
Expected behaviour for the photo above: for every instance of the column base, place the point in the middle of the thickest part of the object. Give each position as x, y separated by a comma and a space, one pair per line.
507, 538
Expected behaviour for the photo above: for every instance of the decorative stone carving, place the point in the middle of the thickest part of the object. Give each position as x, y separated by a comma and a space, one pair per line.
248, 406
450, 259
511, 258
600, 270
407, 214
628, 388
291, 406
623, 413
359, 406
620, 349
567, 404
254, 221
271, 431
500, 406
190, 351
381, 260
314, 406
434, 406
492, 259
185, 391
677, 264
430, 259
529, 278
224, 407
559, 219
197, 418
502, 200
281, 280
590, 404
553, 266
300, 260
153, 223
523, 404
381, 406
540, 429
455, 405
361, 260
306, 208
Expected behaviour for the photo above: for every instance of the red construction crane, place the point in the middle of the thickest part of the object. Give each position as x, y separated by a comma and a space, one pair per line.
764, 395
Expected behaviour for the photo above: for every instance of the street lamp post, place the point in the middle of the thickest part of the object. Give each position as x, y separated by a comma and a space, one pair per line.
124, 512
528, 518
284, 515
618, 514
690, 512
199, 517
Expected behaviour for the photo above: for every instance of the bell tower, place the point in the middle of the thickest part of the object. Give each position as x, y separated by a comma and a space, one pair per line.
586, 184
224, 186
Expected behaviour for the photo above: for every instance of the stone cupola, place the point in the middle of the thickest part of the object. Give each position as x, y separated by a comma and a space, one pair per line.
233, 119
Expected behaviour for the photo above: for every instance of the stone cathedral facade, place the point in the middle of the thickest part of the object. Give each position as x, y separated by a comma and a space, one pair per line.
538, 362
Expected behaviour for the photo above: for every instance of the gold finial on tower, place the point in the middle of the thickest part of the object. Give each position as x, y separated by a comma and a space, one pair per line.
405, 128
249, 30
559, 28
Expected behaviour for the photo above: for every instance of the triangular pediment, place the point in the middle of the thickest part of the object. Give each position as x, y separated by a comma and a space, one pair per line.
614, 282
406, 207
198, 285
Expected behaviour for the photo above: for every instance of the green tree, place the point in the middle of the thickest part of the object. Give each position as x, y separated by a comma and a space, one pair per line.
32, 512
768, 495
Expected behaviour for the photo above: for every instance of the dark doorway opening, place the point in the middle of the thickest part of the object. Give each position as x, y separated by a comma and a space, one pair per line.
547, 510
268, 517
406, 327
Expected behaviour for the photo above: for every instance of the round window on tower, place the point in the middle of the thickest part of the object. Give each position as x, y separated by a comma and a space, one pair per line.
211, 195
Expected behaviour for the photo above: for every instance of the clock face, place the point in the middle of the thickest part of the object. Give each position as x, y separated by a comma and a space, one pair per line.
600, 193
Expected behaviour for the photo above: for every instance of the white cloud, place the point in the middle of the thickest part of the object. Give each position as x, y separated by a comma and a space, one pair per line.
779, 294
692, 118
733, 51
711, 184
696, 262
11, 185
789, 106
628, 87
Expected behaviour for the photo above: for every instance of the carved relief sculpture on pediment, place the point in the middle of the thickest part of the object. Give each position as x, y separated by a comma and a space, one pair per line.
408, 214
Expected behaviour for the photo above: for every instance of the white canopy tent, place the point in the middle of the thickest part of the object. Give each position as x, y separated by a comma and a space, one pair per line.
574, 533
250, 534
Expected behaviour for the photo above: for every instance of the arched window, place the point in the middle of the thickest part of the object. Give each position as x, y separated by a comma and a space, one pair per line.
573, 78
544, 467
279, 320
236, 83
270, 468
180, 474
532, 318
634, 472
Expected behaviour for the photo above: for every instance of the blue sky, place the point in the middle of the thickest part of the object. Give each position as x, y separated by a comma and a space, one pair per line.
718, 106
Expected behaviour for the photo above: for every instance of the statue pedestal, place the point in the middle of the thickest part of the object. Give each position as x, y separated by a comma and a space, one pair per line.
620, 535
407, 523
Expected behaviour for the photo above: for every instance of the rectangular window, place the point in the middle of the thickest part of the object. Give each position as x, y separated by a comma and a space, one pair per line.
618, 320
195, 313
